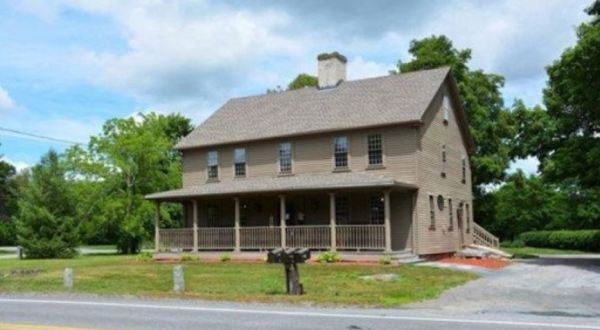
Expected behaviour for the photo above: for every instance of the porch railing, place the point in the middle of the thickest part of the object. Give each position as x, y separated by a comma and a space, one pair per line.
216, 238
176, 239
356, 237
484, 237
260, 238
348, 237
315, 237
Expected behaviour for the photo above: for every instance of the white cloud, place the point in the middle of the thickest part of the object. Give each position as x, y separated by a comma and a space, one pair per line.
528, 165
359, 68
19, 165
178, 51
6, 102
514, 38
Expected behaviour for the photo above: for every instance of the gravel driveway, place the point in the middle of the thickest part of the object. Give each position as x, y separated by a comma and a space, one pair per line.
545, 286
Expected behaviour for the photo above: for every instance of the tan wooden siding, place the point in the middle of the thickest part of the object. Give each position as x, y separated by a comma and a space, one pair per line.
311, 154
434, 134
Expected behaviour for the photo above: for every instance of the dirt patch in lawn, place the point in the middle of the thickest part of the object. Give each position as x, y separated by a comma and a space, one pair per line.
488, 263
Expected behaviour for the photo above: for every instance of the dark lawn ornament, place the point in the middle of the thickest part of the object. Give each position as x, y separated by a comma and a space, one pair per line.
290, 258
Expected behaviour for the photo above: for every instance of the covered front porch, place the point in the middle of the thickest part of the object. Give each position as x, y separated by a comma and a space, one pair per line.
375, 217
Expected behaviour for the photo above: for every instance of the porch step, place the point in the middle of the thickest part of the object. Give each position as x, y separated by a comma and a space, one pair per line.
405, 257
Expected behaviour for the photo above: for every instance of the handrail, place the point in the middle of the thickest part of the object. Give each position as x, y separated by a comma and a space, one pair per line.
484, 237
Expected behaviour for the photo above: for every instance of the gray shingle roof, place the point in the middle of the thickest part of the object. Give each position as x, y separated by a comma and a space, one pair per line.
301, 182
353, 104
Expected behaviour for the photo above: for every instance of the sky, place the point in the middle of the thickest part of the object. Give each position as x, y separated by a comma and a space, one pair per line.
66, 66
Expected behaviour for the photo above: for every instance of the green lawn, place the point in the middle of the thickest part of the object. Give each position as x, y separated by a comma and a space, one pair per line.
324, 284
523, 251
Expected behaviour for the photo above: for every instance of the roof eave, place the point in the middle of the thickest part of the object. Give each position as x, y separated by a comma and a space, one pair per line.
414, 123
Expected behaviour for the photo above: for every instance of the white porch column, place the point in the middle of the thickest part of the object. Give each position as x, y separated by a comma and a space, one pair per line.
332, 224
157, 227
195, 224
237, 224
387, 221
282, 219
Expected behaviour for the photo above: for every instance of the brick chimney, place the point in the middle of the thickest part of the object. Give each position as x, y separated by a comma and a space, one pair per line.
332, 69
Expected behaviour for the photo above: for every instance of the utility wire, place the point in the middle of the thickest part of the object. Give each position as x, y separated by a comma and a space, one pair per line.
37, 136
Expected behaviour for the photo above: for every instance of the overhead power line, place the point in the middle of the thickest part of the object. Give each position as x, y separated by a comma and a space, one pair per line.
39, 137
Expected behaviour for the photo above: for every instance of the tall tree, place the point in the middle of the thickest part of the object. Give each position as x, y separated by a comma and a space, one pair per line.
45, 220
8, 203
514, 211
572, 99
131, 158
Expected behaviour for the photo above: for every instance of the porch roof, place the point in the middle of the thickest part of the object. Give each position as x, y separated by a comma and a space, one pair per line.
302, 182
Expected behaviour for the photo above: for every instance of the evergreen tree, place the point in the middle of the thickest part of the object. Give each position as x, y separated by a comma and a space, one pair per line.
45, 220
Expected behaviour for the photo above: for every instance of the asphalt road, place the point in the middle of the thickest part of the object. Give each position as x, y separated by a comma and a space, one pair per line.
91, 312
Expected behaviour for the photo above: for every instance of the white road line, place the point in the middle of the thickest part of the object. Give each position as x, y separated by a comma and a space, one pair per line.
290, 313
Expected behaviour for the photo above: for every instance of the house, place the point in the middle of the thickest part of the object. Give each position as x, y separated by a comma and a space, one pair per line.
376, 164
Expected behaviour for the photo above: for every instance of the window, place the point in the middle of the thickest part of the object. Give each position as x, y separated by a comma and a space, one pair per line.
468, 218
285, 158
240, 162
340, 152
431, 212
450, 215
464, 169
213, 164
446, 107
377, 210
212, 216
375, 147
444, 160
342, 211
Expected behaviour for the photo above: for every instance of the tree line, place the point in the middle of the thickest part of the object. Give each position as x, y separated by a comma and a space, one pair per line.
95, 194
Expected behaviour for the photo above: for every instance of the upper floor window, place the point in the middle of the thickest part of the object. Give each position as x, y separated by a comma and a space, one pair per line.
239, 156
450, 214
377, 210
431, 212
375, 147
340, 153
213, 164
444, 160
342, 210
447, 107
464, 169
285, 158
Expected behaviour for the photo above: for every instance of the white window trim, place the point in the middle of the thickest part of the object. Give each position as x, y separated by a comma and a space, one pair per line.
292, 152
332, 152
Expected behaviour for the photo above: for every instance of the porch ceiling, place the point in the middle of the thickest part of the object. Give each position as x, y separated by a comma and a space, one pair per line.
303, 182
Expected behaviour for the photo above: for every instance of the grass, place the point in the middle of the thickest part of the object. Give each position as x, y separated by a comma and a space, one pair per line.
534, 252
324, 284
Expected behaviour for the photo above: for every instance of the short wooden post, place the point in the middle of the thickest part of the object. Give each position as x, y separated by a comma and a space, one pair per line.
387, 221
195, 224
332, 223
157, 228
237, 224
282, 219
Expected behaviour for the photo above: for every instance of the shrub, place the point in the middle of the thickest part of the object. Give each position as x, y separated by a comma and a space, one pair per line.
225, 258
518, 243
385, 260
188, 257
144, 256
329, 257
585, 240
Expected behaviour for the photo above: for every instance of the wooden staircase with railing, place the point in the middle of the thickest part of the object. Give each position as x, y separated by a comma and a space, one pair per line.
484, 237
